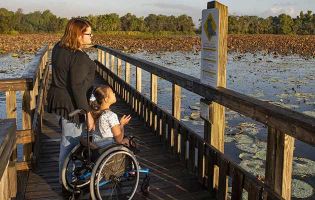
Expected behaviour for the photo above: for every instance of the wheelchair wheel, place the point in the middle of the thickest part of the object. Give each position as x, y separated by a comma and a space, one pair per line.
74, 171
115, 176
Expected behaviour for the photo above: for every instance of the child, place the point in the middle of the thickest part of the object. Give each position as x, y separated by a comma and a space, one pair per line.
107, 127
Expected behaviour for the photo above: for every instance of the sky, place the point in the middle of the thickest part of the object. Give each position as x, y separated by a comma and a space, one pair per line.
73, 8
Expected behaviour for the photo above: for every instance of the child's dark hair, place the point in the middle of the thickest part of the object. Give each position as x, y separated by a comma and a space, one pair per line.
100, 93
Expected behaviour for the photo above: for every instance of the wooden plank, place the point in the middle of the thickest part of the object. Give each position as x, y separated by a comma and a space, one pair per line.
176, 109
159, 123
176, 101
12, 176
112, 63
22, 177
182, 144
4, 183
201, 161
138, 79
10, 104
119, 68
145, 110
99, 55
170, 134
154, 89
223, 173
164, 126
15, 84
279, 162
254, 192
210, 165
26, 121
7, 142
153, 117
24, 136
191, 158
176, 135
127, 73
237, 184
106, 59
102, 57
22, 166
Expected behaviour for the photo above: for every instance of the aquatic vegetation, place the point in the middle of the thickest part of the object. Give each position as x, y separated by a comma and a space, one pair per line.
310, 113
301, 189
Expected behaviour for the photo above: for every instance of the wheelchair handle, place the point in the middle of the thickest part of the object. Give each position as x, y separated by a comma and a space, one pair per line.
77, 111
82, 111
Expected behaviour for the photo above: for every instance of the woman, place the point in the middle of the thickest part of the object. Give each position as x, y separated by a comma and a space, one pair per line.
72, 77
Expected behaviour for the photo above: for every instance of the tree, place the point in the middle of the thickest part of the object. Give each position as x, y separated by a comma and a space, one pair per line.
285, 24
130, 22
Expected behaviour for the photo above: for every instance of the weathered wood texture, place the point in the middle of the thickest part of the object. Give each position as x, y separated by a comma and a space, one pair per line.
38, 115
169, 179
8, 185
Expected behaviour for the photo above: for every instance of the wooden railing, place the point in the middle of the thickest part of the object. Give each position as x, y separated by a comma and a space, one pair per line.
32, 89
8, 177
199, 156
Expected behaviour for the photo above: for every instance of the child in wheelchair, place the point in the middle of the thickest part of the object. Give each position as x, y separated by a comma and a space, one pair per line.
108, 164
107, 127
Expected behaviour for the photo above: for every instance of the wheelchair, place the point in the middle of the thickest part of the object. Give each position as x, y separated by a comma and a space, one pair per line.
106, 172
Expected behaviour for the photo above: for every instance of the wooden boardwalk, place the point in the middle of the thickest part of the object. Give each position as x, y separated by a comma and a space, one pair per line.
169, 178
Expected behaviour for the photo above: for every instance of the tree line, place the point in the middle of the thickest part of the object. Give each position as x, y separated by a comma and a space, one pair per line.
47, 22
303, 24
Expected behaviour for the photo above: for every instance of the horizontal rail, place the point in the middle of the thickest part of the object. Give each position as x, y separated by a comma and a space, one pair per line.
17, 84
8, 178
7, 141
295, 124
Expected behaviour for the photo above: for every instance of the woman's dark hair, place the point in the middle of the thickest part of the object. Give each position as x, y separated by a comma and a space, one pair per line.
100, 93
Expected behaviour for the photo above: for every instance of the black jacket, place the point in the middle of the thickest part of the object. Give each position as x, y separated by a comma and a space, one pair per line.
73, 74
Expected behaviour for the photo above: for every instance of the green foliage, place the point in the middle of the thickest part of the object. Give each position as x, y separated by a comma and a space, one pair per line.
153, 25
282, 24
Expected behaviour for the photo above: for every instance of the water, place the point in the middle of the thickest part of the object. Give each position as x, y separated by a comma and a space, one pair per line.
287, 81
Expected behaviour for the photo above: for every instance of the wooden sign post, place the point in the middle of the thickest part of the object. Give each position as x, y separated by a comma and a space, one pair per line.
213, 73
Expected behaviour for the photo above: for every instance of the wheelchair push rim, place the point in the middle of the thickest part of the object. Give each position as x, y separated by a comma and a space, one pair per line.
116, 176
69, 178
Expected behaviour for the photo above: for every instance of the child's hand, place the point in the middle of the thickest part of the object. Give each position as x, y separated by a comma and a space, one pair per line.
125, 120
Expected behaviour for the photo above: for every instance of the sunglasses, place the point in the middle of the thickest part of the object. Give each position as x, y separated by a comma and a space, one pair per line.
89, 34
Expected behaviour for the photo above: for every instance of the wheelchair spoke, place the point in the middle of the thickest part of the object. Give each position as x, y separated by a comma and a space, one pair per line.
113, 178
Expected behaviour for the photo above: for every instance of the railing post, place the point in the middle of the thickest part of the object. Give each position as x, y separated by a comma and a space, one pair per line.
154, 98
127, 80
138, 87
119, 72
279, 162
8, 178
112, 63
27, 121
12, 176
99, 58
216, 125
119, 68
176, 108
